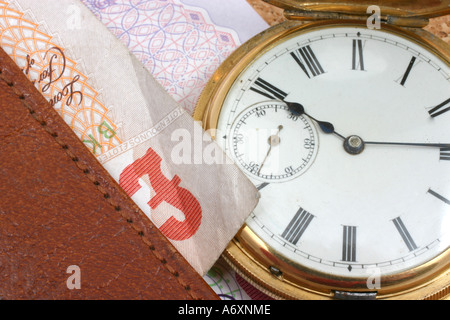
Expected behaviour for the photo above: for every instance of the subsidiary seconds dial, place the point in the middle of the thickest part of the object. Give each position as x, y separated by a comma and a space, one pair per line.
271, 144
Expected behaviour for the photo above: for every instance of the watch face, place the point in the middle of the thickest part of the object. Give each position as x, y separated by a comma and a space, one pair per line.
256, 142
346, 133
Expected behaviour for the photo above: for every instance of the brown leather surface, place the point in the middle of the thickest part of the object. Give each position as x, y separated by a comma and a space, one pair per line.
59, 207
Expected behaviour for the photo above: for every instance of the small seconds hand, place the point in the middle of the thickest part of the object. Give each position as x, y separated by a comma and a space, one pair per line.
272, 141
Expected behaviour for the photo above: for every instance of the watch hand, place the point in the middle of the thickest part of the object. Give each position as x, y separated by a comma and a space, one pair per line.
413, 144
274, 140
356, 145
297, 110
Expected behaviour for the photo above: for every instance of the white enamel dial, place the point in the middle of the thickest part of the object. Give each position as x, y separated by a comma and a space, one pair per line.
387, 205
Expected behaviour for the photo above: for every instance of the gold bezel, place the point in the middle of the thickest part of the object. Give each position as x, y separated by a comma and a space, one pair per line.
253, 259
249, 255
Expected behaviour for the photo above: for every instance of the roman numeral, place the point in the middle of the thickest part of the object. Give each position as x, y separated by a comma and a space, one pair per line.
404, 234
440, 109
445, 154
268, 90
349, 244
307, 60
437, 195
357, 56
408, 71
297, 226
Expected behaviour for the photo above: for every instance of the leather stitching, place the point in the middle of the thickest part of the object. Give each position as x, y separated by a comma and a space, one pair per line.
86, 172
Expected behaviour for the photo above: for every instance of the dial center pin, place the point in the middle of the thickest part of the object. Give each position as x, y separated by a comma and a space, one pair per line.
275, 139
354, 145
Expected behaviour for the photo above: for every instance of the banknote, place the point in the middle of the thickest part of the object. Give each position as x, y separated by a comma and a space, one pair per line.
157, 33
181, 42
231, 286
147, 142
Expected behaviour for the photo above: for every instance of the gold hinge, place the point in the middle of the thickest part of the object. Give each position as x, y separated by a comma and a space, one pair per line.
404, 13
411, 22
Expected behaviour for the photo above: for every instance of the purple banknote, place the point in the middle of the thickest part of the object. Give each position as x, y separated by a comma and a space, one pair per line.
181, 42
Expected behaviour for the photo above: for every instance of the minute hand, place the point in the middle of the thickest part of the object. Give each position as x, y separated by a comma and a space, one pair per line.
413, 144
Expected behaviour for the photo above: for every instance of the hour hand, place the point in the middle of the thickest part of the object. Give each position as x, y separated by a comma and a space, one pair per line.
297, 110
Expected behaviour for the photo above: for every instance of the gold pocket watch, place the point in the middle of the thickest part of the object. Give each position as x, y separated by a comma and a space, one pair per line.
345, 131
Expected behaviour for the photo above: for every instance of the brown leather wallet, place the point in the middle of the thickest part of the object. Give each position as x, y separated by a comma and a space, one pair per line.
67, 230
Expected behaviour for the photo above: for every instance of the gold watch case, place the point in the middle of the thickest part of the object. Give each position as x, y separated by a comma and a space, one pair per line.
252, 258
